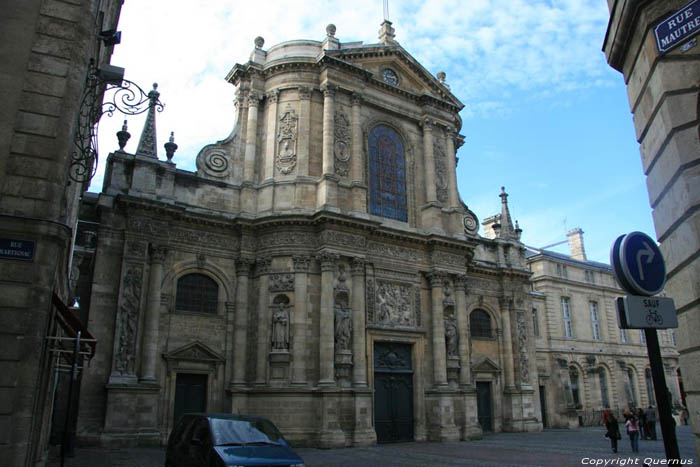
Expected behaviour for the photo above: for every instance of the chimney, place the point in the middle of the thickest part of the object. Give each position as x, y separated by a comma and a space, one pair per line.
576, 244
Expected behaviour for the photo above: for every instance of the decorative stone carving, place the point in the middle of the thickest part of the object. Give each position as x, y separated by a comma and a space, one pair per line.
253, 99
281, 282
287, 141
522, 347
341, 145
447, 300
201, 260
135, 249
441, 174
127, 320
273, 96
369, 298
394, 304
215, 162
281, 239
158, 253
471, 224
262, 265
199, 237
442, 257
301, 263
328, 260
332, 237
243, 266
394, 251
358, 266
305, 93
280, 328
148, 226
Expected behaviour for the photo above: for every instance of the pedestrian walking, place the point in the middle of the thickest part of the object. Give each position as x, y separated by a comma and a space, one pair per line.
651, 422
633, 432
642, 423
612, 428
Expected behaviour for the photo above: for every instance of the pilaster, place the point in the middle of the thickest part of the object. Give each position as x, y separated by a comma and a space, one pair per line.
262, 267
149, 348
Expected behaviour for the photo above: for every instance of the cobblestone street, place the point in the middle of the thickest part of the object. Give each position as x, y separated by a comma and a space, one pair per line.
549, 448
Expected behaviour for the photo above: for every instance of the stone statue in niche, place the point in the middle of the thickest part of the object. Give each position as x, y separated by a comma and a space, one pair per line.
451, 338
280, 328
343, 327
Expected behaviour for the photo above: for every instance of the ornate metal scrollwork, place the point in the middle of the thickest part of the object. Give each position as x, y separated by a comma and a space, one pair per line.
102, 96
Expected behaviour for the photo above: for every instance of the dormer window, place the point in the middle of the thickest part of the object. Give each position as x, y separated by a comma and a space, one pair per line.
390, 76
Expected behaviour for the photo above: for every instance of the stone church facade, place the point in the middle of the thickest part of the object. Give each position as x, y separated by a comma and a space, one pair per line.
319, 268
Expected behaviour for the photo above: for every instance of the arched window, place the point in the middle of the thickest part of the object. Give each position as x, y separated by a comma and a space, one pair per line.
575, 388
480, 323
387, 174
604, 389
650, 386
197, 293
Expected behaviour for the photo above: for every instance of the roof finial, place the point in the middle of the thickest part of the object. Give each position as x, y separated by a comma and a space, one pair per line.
507, 230
148, 144
170, 147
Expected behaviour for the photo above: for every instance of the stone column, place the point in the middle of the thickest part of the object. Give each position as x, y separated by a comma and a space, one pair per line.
299, 324
304, 131
326, 342
271, 147
437, 280
149, 351
507, 342
452, 169
357, 166
359, 376
429, 161
462, 326
240, 327
263, 272
251, 136
328, 127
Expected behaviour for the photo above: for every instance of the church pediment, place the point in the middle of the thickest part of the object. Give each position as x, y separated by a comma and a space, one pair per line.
485, 365
195, 351
394, 66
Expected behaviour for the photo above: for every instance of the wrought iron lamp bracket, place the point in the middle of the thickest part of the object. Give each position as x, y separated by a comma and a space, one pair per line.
104, 96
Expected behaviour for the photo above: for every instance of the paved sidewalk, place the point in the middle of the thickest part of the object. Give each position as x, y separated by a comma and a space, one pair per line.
584, 446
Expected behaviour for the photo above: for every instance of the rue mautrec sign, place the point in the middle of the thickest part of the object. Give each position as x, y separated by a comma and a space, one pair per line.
679, 26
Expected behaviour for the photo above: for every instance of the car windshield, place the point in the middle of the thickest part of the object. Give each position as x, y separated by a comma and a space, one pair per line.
227, 431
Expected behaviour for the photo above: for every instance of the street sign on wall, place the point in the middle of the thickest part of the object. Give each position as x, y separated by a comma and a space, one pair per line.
638, 264
681, 25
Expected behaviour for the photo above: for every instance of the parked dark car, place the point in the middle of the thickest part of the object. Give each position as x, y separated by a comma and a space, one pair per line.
227, 440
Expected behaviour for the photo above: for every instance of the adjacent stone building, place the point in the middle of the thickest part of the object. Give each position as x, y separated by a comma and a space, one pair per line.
45, 52
663, 83
585, 362
318, 268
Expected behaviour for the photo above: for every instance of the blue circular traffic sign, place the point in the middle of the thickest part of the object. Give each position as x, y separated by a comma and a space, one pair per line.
638, 264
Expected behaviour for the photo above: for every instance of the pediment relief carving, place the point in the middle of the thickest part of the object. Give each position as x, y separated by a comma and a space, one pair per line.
195, 351
485, 365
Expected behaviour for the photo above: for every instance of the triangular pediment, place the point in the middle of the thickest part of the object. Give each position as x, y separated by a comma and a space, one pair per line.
485, 365
195, 351
411, 76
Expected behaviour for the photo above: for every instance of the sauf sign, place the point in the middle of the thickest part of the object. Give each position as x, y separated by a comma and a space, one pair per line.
676, 28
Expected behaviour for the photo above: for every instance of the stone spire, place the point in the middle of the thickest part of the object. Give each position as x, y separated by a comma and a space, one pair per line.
507, 229
148, 144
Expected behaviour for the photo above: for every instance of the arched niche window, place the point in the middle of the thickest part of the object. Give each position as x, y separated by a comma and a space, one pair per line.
603, 380
387, 173
575, 387
480, 323
197, 293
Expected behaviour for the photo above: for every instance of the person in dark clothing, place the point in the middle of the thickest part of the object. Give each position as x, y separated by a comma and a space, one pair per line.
642, 424
613, 430
651, 422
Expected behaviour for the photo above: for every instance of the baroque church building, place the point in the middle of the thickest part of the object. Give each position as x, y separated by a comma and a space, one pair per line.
319, 268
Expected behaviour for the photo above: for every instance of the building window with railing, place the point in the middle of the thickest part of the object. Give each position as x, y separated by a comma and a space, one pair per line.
594, 320
566, 314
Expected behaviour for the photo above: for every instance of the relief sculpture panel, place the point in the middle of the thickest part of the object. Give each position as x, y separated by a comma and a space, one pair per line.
127, 320
393, 304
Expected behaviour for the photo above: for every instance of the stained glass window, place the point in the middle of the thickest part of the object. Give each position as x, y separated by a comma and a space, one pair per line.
196, 292
387, 174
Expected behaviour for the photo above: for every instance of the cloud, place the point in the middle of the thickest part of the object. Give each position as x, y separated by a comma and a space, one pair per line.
489, 50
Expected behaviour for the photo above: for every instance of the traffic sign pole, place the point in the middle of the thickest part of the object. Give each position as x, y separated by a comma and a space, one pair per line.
668, 429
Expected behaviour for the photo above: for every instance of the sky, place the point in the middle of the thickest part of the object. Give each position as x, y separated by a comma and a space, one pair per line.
544, 116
